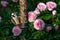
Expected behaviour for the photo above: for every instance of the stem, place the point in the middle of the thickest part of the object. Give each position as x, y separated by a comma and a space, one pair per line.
52, 19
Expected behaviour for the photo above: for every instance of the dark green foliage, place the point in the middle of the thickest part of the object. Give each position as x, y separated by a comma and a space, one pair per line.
29, 33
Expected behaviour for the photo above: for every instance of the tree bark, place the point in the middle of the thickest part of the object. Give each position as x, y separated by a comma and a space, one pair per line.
23, 11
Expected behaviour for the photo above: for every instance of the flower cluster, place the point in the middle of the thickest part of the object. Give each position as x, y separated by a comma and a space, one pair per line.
39, 24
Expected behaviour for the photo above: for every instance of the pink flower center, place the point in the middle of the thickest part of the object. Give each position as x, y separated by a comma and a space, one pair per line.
16, 31
39, 24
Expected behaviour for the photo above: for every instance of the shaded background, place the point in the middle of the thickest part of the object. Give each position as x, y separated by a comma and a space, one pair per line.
6, 25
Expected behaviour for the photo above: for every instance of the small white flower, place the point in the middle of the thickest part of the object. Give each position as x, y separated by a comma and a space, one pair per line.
54, 12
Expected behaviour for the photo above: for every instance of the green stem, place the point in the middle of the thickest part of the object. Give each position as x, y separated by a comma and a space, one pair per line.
52, 19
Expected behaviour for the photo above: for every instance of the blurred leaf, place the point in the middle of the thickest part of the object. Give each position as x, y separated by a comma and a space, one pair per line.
6, 31
46, 17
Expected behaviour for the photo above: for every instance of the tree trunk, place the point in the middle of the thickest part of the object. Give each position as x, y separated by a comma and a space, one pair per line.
23, 11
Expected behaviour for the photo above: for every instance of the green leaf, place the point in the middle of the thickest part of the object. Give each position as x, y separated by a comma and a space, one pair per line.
2, 38
38, 34
57, 21
46, 17
31, 25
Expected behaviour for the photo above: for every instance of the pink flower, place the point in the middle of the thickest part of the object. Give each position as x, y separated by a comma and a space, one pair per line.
16, 31
0, 19
56, 27
37, 11
41, 6
39, 24
48, 28
51, 5
54, 12
15, 0
31, 16
4, 3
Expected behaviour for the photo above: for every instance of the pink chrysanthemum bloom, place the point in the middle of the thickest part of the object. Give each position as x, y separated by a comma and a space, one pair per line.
48, 28
36, 11
56, 27
0, 19
54, 12
15, 0
39, 24
4, 3
16, 31
41, 6
31, 17
51, 5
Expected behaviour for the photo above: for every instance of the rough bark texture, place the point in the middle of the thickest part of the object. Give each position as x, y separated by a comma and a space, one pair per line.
23, 11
